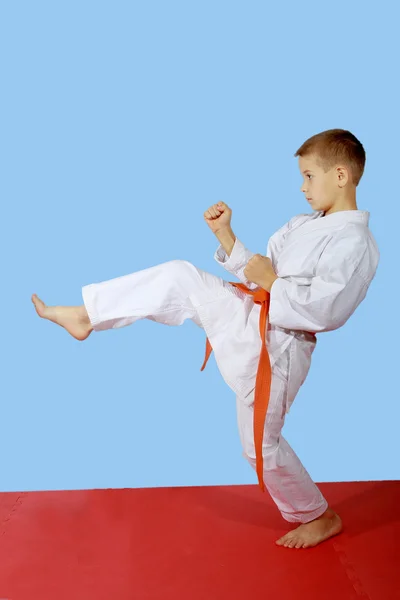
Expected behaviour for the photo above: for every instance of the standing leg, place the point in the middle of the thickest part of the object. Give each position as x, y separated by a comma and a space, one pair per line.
289, 484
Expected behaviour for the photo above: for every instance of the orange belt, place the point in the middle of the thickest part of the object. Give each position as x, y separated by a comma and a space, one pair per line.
263, 379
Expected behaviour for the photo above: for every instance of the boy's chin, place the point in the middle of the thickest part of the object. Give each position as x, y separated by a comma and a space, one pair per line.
316, 206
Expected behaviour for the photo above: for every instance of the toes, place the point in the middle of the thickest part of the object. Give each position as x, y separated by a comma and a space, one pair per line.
283, 540
288, 541
291, 541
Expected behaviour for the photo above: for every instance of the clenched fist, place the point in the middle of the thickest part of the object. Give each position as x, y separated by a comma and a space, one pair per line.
259, 270
218, 217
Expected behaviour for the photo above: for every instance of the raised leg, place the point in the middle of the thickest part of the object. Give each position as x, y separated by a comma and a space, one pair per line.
160, 293
73, 318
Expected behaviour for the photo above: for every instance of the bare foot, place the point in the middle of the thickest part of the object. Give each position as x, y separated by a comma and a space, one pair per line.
310, 534
73, 318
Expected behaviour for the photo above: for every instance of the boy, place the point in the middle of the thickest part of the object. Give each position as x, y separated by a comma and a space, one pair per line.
316, 271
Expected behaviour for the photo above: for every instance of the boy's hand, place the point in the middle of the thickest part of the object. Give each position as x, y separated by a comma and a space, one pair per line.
259, 270
218, 217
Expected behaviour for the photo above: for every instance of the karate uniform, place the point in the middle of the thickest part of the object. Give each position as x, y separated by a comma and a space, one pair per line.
324, 264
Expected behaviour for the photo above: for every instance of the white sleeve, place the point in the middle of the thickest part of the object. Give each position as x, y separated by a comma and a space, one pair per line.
236, 262
329, 298
240, 255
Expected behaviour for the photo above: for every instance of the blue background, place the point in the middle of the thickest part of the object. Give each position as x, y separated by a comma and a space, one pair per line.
121, 123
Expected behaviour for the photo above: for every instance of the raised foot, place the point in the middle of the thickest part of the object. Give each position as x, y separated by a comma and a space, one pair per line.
72, 318
313, 533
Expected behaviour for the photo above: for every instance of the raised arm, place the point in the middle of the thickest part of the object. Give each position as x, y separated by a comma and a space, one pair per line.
231, 254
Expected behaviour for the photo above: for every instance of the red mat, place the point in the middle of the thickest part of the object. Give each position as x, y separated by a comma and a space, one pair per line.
203, 543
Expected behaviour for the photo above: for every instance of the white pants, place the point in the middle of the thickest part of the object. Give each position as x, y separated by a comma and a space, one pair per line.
161, 293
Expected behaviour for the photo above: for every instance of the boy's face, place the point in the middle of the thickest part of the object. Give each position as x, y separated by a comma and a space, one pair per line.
320, 189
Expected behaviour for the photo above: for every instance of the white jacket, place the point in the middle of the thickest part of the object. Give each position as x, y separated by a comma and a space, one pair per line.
325, 265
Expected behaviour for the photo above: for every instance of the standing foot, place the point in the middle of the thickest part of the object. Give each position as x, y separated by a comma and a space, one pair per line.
73, 318
310, 534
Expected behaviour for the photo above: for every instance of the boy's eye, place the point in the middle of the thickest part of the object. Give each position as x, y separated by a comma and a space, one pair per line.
308, 175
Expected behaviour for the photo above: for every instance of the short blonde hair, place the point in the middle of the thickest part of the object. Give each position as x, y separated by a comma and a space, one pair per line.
336, 146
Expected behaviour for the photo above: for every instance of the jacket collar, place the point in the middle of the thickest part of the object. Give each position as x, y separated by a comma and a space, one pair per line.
346, 216
334, 221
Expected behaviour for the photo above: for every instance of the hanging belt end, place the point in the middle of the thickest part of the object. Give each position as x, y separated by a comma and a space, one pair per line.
208, 352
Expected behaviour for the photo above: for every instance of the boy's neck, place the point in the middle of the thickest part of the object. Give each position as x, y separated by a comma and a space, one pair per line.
344, 203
